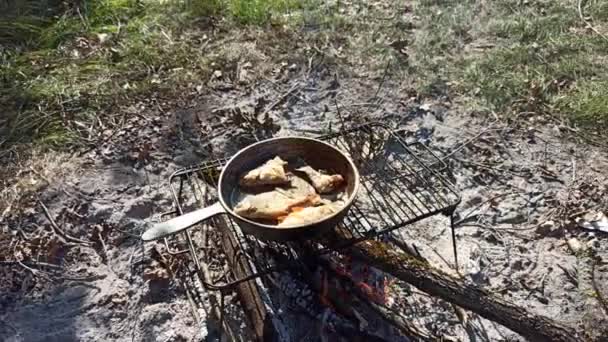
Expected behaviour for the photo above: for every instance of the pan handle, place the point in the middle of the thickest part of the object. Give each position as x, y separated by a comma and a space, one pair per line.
177, 224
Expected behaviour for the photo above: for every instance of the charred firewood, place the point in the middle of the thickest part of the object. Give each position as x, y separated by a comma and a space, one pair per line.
301, 291
360, 299
454, 290
325, 300
258, 318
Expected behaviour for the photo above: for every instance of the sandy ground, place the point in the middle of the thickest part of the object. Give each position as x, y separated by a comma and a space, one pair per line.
520, 182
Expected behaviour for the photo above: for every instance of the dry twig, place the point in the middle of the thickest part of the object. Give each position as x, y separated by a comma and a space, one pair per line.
34, 272
103, 245
58, 230
464, 144
279, 101
581, 15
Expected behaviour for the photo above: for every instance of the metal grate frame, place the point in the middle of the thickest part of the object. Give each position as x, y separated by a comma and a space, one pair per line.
400, 184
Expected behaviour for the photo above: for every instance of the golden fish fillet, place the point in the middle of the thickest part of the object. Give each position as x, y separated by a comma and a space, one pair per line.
322, 182
271, 173
278, 202
309, 215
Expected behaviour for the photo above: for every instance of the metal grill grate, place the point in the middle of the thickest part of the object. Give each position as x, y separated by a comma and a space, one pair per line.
400, 184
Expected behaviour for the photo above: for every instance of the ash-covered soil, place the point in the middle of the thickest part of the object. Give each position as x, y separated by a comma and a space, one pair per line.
523, 185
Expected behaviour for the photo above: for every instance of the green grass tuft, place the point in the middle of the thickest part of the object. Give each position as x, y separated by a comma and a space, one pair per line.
587, 104
527, 73
59, 72
260, 11
58, 75
68, 62
541, 57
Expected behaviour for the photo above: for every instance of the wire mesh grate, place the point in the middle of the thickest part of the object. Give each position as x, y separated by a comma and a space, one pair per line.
399, 186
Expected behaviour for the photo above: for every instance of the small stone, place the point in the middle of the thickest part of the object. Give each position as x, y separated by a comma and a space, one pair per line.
243, 76
216, 74
513, 217
575, 245
546, 228
102, 38
594, 243
426, 107
537, 199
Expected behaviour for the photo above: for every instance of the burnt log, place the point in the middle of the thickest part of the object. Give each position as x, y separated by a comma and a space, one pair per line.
329, 297
455, 290
345, 321
414, 332
257, 317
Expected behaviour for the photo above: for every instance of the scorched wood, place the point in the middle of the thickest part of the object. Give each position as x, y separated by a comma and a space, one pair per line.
469, 296
255, 311
407, 328
347, 322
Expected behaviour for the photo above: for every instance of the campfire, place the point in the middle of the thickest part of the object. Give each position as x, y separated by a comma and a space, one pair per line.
345, 296
342, 284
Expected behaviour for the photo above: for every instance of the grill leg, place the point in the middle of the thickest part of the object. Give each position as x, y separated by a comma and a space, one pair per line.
222, 295
455, 249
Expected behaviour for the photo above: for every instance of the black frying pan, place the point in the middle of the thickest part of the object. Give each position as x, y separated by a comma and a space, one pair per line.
315, 153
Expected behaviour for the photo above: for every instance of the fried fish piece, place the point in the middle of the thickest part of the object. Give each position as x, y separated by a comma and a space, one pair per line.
271, 173
271, 205
309, 215
276, 203
322, 182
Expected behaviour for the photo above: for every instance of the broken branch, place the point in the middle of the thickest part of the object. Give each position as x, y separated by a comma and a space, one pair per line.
454, 290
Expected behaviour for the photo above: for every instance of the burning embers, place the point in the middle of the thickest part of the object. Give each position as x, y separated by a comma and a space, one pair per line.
372, 283
340, 294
